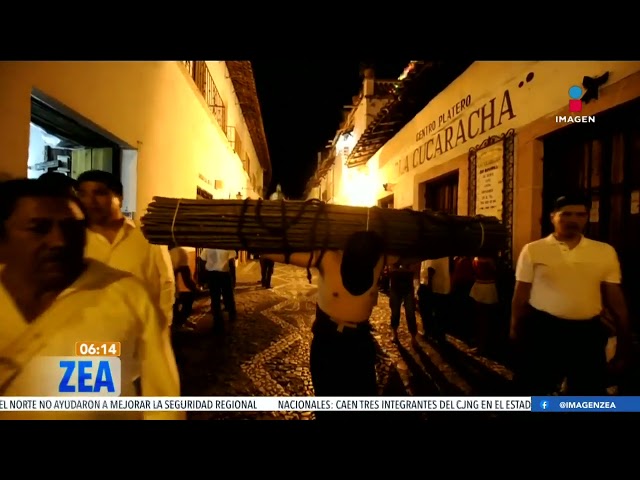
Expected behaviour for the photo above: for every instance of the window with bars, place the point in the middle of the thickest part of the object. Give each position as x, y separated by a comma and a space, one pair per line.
201, 76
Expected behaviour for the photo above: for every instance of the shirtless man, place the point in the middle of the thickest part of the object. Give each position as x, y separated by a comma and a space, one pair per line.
343, 354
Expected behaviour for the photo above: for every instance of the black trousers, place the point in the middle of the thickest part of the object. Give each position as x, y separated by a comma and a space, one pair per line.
232, 273
343, 363
553, 349
220, 285
183, 307
398, 297
434, 310
266, 271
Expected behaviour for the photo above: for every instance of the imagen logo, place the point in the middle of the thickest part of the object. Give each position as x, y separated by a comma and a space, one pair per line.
575, 96
544, 404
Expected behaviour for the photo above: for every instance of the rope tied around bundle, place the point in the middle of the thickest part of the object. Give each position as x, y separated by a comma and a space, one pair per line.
282, 230
480, 219
243, 212
173, 223
316, 226
319, 211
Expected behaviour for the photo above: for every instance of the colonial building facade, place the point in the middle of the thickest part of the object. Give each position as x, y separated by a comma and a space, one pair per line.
334, 181
505, 138
174, 128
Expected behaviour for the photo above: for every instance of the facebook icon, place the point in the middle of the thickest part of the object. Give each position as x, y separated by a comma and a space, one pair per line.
544, 404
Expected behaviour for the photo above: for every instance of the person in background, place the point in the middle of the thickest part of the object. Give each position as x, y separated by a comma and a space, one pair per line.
563, 283
462, 305
401, 291
116, 241
435, 275
266, 271
268, 266
485, 296
65, 181
51, 297
462, 277
232, 270
383, 281
186, 288
425, 303
219, 281
278, 194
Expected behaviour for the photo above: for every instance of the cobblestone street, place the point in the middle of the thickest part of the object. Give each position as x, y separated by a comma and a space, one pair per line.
266, 351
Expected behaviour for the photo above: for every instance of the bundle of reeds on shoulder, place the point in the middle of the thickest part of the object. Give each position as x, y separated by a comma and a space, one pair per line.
301, 226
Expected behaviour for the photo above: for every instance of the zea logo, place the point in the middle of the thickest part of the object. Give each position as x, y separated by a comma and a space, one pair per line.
88, 375
77, 376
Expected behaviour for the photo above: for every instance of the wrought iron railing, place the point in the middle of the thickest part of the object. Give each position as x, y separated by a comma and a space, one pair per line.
200, 74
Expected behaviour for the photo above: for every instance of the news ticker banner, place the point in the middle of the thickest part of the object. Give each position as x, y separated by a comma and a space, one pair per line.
92, 381
332, 404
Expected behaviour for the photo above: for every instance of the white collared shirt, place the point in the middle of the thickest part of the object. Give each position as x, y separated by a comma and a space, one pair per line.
131, 252
103, 305
566, 282
217, 260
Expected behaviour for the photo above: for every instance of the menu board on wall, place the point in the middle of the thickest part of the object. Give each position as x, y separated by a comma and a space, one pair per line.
489, 180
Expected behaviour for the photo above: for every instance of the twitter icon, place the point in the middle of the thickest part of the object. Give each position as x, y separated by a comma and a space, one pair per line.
544, 404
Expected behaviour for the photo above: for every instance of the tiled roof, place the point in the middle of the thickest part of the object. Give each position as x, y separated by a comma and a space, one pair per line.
421, 82
418, 88
243, 80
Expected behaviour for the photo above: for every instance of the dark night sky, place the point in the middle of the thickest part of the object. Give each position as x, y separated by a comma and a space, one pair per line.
301, 103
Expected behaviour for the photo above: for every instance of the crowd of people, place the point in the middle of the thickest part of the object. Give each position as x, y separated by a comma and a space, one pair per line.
73, 267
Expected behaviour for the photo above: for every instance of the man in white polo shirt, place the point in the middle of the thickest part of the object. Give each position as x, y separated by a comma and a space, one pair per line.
115, 240
563, 282
51, 298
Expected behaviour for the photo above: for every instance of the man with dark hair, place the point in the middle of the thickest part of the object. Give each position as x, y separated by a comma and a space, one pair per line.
52, 297
343, 353
58, 178
116, 240
563, 282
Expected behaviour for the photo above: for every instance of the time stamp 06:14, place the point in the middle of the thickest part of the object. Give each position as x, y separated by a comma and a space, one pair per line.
98, 349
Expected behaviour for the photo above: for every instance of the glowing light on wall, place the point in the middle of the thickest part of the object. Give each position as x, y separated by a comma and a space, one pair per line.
345, 144
359, 187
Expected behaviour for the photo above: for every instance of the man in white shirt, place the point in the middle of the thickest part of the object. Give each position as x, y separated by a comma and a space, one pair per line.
52, 297
563, 282
435, 275
220, 284
116, 241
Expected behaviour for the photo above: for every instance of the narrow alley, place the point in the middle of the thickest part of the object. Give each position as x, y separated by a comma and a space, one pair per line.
266, 351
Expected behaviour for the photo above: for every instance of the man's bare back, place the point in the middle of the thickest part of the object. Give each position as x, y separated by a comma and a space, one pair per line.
333, 297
